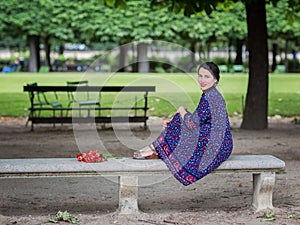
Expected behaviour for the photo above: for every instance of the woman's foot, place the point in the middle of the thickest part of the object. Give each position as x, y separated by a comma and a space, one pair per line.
147, 152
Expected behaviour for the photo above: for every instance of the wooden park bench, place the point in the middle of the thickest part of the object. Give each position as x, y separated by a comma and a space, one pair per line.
263, 168
60, 114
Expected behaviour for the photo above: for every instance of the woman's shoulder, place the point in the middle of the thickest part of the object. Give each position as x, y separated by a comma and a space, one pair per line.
213, 92
215, 96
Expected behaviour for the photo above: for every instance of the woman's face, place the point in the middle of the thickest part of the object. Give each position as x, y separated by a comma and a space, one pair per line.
206, 79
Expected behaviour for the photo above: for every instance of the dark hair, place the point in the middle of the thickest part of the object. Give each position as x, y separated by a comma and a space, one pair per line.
212, 68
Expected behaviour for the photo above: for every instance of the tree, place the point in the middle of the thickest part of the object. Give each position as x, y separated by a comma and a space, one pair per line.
283, 25
226, 24
256, 108
16, 21
41, 22
138, 23
235, 18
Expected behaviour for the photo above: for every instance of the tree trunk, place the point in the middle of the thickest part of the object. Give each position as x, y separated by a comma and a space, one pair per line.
61, 49
34, 49
229, 51
239, 52
143, 63
286, 61
274, 54
193, 57
208, 51
256, 108
201, 53
47, 52
123, 60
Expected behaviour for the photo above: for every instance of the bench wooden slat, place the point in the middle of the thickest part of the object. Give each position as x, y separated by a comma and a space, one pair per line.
85, 108
96, 119
29, 88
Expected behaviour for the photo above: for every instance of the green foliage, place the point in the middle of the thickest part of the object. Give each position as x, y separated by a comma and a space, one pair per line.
188, 8
227, 22
94, 21
282, 21
90, 21
296, 121
139, 22
39, 17
162, 64
220, 61
281, 171
268, 216
294, 217
8, 42
293, 65
64, 216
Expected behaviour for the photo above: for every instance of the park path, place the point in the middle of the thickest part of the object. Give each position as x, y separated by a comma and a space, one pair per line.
216, 199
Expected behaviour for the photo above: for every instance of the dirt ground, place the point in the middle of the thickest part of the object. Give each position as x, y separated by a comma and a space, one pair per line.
216, 199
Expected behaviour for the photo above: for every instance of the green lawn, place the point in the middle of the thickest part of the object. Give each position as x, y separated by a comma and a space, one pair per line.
172, 90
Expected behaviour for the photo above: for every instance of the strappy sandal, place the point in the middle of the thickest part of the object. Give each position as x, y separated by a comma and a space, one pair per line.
154, 154
138, 155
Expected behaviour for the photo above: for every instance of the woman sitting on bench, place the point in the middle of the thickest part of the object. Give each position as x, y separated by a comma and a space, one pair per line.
194, 144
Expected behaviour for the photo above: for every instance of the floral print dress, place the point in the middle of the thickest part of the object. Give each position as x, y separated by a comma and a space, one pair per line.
196, 145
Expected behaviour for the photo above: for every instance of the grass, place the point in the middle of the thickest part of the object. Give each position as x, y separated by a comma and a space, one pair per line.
172, 90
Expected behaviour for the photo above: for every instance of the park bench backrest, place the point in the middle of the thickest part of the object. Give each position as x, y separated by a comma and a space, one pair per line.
42, 99
71, 94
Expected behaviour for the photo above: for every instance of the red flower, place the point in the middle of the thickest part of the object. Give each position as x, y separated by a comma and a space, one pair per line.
90, 157
79, 157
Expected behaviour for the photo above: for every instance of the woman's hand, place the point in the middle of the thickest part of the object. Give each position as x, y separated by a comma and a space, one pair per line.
182, 111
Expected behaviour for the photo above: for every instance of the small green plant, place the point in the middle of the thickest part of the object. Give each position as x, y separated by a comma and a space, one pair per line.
291, 216
296, 121
64, 216
267, 216
281, 171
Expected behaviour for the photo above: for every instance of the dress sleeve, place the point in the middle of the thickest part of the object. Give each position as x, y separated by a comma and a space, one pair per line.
200, 116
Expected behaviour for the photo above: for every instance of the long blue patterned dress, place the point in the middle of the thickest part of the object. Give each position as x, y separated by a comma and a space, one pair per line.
196, 145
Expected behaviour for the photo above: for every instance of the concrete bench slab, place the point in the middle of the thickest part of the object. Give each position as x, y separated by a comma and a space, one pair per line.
263, 168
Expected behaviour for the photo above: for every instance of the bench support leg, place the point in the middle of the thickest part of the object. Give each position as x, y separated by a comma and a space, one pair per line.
128, 194
263, 184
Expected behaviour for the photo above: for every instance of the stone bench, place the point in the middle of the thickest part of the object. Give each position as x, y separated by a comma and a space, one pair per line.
263, 168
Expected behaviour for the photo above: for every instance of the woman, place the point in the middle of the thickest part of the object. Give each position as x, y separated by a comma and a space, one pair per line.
194, 144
